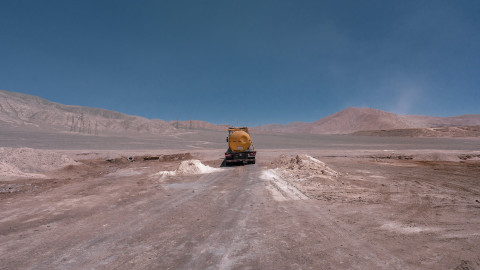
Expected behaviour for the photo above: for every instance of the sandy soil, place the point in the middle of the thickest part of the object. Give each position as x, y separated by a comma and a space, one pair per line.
358, 204
28, 162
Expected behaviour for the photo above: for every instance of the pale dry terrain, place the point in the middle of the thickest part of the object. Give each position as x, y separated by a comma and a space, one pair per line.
310, 202
87, 188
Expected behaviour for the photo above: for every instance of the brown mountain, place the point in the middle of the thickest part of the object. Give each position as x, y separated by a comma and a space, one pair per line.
354, 119
358, 119
27, 111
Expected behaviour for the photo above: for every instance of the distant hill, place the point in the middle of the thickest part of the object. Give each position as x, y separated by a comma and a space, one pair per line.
359, 119
21, 110
197, 124
27, 111
453, 131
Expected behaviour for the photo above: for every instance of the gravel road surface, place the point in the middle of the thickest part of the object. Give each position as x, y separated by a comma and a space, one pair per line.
122, 215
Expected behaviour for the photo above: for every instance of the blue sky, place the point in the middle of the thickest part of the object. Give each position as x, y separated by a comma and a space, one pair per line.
245, 62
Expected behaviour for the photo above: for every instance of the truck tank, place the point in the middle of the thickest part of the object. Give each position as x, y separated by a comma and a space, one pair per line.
239, 141
240, 146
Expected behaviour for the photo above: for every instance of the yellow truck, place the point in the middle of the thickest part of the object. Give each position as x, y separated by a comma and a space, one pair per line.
240, 146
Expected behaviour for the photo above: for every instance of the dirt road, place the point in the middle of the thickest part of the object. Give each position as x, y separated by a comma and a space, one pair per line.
121, 215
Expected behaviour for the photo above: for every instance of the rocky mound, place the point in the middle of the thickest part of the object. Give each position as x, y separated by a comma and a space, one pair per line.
189, 167
28, 162
302, 167
294, 178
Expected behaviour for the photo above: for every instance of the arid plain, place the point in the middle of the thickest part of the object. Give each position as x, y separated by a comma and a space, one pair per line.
396, 203
74, 200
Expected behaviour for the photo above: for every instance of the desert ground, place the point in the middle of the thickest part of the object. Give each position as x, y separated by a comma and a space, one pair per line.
72, 201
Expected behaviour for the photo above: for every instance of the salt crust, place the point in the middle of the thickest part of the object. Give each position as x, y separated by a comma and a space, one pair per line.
192, 166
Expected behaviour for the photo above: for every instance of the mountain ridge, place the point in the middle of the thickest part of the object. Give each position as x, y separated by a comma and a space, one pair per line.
354, 119
17, 109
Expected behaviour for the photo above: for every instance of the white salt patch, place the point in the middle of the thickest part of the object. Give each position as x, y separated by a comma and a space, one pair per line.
269, 174
166, 173
315, 160
406, 229
192, 166
280, 189
124, 172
